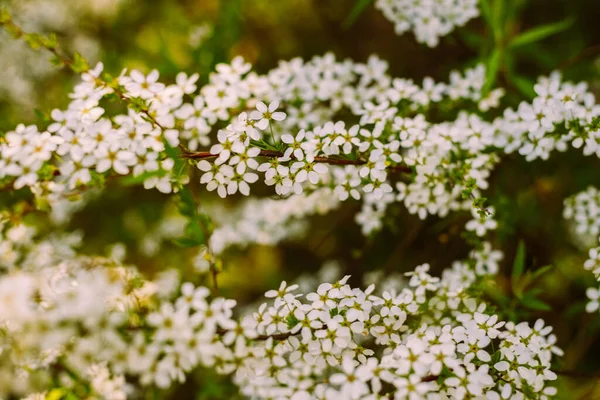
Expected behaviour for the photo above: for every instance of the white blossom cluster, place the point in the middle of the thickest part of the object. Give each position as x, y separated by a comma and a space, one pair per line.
583, 209
21, 249
563, 113
60, 311
391, 154
432, 338
267, 221
297, 151
106, 386
418, 360
444, 158
428, 19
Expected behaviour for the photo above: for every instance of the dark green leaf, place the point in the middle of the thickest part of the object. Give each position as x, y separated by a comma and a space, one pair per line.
540, 32
518, 264
524, 85
487, 12
187, 206
493, 66
195, 231
541, 271
535, 304
359, 7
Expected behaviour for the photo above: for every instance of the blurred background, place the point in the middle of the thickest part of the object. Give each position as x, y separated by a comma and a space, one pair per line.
195, 35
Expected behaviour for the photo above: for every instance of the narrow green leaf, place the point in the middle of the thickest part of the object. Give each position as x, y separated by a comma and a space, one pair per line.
540, 32
473, 40
524, 85
535, 304
519, 263
263, 145
357, 10
498, 20
487, 12
136, 180
187, 207
492, 68
43, 117
541, 271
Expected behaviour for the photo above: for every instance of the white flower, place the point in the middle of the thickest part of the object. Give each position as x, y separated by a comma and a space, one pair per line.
264, 115
115, 158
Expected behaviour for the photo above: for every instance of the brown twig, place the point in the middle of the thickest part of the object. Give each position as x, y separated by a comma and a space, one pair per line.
215, 282
203, 155
587, 52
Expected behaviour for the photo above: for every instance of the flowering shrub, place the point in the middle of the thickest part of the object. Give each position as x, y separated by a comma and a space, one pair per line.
429, 20
305, 138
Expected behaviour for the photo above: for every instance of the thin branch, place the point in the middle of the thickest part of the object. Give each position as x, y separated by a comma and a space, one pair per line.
275, 336
587, 52
214, 274
203, 155
69, 62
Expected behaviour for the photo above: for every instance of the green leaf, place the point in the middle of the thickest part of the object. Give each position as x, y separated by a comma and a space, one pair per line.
518, 264
541, 271
33, 40
195, 230
46, 172
4, 15
359, 8
498, 20
56, 394
51, 41
292, 321
57, 62
43, 117
524, 85
487, 12
473, 40
493, 66
79, 64
540, 32
136, 180
535, 304
263, 145
187, 206
13, 30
